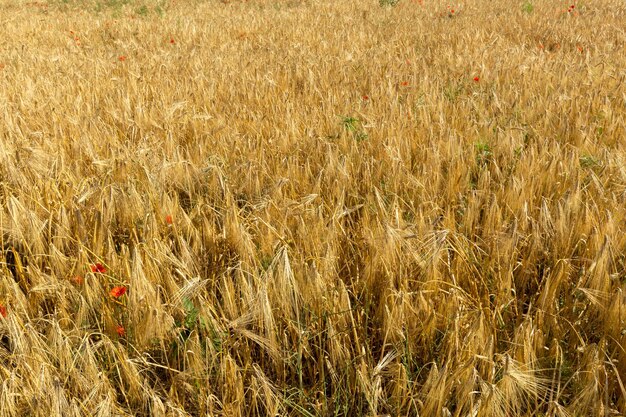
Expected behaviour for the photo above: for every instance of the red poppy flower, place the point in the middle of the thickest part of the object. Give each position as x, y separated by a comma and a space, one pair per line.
169, 219
78, 280
172, 41
405, 83
365, 97
98, 268
3, 311
117, 292
122, 58
476, 79
121, 331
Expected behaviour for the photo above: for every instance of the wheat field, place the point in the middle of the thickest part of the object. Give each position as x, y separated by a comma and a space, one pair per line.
313, 208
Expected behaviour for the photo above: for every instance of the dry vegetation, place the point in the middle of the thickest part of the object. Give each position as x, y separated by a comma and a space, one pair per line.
331, 208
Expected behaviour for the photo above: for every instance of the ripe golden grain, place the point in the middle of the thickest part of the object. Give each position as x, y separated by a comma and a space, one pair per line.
318, 208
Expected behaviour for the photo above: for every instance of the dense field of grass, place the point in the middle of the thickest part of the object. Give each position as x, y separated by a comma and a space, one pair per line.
313, 208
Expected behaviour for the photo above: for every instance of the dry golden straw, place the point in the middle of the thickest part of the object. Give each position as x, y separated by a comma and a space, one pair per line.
312, 208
